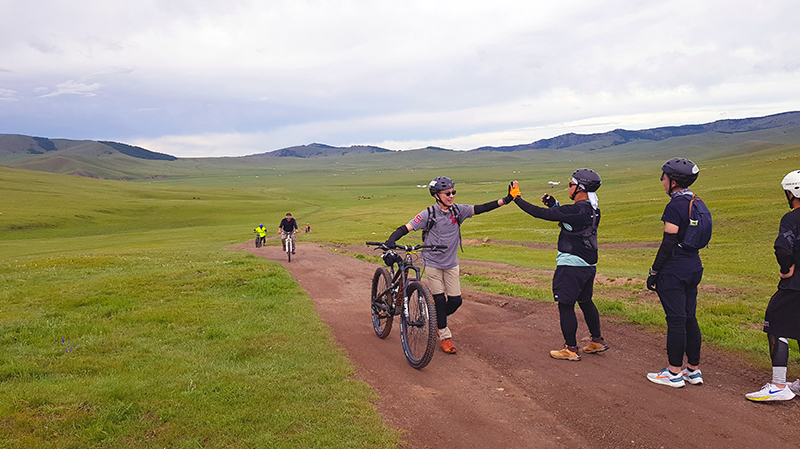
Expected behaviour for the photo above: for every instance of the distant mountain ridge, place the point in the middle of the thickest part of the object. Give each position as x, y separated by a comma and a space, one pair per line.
620, 136
115, 160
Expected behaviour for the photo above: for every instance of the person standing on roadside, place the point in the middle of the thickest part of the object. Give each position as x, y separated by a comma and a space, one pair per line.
675, 274
576, 263
782, 319
288, 227
441, 225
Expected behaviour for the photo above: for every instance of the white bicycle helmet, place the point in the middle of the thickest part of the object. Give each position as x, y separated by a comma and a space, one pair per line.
791, 183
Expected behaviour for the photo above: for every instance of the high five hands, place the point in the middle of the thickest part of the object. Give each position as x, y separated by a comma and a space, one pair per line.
513, 189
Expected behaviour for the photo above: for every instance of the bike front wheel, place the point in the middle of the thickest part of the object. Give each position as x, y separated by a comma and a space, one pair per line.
418, 327
382, 313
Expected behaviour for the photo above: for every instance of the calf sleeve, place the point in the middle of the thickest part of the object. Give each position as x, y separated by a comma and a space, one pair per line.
779, 352
453, 303
569, 324
440, 301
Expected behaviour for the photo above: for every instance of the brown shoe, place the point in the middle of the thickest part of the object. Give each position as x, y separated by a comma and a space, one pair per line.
565, 353
595, 347
447, 346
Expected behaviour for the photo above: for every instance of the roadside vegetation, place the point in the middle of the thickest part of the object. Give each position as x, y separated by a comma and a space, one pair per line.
124, 322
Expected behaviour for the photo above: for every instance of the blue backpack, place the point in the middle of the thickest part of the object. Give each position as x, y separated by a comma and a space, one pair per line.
698, 233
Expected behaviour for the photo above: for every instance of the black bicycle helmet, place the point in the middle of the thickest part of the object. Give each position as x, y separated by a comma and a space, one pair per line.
439, 184
588, 178
681, 171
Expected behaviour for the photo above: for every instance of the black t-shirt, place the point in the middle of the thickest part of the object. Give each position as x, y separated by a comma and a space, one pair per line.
288, 225
682, 261
789, 240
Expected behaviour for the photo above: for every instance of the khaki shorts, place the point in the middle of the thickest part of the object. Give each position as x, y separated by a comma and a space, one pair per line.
444, 281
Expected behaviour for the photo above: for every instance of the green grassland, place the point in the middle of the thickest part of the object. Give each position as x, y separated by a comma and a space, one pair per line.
124, 322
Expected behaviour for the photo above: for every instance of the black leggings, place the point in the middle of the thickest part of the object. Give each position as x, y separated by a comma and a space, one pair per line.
444, 307
569, 321
678, 295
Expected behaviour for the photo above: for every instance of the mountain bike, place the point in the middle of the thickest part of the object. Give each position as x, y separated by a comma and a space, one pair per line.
395, 292
288, 245
259, 240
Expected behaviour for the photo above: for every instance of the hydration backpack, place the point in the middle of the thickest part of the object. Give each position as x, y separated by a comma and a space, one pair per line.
698, 233
432, 221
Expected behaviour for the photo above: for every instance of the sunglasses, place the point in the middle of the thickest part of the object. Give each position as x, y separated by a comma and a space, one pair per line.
572, 184
449, 193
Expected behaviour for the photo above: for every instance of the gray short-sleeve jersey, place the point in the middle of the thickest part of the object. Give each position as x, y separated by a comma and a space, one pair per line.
444, 231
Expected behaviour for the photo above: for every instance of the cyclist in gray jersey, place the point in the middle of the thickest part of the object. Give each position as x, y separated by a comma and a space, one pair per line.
442, 226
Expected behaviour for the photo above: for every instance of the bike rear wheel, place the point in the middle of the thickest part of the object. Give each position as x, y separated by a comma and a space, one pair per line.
382, 312
418, 328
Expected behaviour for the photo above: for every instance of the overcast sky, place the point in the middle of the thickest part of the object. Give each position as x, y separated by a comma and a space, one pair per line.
227, 78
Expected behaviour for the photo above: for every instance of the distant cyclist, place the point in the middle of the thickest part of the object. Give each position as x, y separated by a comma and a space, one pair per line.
441, 225
288, 227
262, 234
782, 319
576, 263
674, 275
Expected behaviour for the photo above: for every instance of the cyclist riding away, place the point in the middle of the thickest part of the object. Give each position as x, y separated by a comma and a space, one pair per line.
576, 263
288, 227
441, 225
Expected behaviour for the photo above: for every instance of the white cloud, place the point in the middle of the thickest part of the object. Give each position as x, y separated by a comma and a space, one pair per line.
7, 95
290, 72
71, 87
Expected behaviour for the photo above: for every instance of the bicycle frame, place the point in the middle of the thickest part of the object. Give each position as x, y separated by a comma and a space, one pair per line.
400, 277
287, 244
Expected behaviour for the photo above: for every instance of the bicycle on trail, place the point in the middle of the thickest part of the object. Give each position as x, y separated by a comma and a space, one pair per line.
396, 293
288, 244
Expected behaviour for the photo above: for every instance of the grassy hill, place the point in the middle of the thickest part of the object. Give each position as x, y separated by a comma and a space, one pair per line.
125, 323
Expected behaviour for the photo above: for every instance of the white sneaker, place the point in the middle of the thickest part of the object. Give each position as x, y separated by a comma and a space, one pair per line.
666, 378
771, 392
690, 377
795, 386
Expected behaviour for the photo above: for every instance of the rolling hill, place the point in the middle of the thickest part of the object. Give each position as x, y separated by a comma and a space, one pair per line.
114, 160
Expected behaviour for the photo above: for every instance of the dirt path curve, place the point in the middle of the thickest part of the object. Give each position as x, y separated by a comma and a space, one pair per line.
502, 390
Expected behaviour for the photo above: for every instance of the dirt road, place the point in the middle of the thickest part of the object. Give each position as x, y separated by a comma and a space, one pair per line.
502, 389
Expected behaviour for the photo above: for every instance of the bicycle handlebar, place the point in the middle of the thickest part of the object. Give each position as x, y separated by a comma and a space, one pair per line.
408, 248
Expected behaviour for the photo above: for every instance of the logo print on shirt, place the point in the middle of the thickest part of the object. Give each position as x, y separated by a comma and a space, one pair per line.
417, 219
453, 219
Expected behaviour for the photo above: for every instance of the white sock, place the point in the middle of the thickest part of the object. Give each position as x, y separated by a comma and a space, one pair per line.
778, 375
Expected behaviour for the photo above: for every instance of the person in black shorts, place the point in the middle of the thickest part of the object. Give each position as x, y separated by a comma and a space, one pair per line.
441, 225
674, 275
782, 319
576, 263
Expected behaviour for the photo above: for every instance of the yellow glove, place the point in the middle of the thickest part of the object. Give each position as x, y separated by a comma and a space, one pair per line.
514, 190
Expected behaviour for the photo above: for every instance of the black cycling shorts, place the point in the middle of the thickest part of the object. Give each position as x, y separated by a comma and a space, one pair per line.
573, 284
